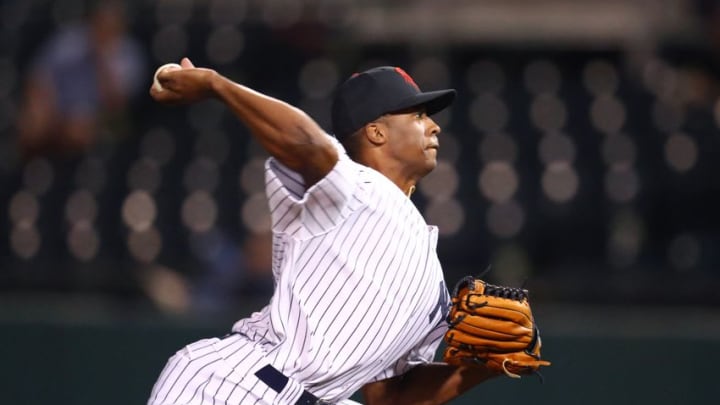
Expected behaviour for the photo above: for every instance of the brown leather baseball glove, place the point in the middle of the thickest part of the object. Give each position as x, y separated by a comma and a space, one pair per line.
492, 326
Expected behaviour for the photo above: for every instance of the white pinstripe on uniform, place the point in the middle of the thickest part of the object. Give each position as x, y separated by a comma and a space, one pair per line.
359, 296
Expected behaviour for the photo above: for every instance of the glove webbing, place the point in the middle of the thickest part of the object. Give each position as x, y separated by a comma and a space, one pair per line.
517, 294
514, 293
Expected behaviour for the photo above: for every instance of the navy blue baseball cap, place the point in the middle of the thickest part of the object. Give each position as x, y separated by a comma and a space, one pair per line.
368, 95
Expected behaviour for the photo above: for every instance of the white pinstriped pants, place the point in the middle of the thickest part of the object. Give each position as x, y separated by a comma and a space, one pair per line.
219, 371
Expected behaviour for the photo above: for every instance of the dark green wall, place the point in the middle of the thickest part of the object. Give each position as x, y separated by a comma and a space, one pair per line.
90, 363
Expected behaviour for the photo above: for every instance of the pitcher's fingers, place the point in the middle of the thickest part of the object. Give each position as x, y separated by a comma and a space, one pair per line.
186, 63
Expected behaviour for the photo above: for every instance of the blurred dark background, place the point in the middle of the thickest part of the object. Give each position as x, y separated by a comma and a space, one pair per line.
579, 159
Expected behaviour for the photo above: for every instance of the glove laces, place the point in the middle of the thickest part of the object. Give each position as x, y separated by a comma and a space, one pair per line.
514, 293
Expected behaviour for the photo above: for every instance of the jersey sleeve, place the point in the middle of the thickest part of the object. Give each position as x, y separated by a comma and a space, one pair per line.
423, 353
305, 213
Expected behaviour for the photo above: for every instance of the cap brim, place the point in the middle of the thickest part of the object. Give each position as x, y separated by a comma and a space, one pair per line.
433, 101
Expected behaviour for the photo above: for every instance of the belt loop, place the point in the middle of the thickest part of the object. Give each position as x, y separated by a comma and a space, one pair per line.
277, 381
272, 378
308, 399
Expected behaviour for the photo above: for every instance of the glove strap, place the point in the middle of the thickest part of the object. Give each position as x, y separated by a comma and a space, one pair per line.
508, 372
530, 349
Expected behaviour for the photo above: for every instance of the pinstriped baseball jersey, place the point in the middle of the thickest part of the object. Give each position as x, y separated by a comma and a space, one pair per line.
359, 291
359, 288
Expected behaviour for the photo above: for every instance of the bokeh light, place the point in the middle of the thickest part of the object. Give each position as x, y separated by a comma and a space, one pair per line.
626, 237
498, 181
199, 211
488, 113
144, 174
542, 77
681, 152
38, 176
600, 77
505, 219
83, 241
139, 210
560, 182
660, 79
622, 184
145, 245
225, 45
23, 208
548, 112
25, 240
81, 207
607, 114
556, 147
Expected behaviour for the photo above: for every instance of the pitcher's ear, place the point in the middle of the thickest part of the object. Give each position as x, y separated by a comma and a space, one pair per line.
376, 133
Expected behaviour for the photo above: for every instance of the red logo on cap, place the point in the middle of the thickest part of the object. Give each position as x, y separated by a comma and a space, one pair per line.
407, 78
